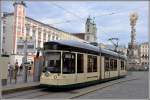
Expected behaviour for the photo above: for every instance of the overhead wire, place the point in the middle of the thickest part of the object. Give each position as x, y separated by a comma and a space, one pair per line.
83, 19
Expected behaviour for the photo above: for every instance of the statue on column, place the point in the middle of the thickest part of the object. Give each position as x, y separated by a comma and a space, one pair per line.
133, 20
133, 56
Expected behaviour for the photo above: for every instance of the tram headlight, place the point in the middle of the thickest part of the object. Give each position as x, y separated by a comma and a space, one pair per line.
55, 77
47, 74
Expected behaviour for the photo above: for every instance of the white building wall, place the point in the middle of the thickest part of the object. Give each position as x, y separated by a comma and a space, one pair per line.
8, 35
144, 53
52, 32
1, 32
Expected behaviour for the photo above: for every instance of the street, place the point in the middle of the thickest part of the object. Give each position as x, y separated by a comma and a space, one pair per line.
137, 89
134, 86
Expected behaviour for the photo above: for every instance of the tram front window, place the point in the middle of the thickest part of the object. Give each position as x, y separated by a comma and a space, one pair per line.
53, 62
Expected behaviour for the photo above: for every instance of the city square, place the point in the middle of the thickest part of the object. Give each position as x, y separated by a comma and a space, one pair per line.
74, 46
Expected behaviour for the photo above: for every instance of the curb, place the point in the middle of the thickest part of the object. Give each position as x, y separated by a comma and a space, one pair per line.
18, 89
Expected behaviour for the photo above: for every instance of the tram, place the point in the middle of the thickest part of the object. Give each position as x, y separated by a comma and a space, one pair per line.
71, 64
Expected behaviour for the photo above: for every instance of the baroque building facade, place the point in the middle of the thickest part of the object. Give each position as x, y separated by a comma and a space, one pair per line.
17, 27
90, 31
144, 53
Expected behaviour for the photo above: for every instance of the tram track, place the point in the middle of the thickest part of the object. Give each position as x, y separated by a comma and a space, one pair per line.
92, 90
78, 94
40, 93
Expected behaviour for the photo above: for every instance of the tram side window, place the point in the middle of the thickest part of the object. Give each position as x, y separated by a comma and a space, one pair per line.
122, 65
115, 65
68, 63
92, 63
111, 64
106, 64
95, 64
80, 65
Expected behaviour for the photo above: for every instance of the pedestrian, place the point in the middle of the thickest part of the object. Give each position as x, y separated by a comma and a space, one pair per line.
11, 69
16, 71
8, 68
20, 68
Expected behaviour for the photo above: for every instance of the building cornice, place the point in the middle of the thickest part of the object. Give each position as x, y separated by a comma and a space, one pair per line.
11, 14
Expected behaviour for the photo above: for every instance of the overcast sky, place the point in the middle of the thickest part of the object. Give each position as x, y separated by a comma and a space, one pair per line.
111, 17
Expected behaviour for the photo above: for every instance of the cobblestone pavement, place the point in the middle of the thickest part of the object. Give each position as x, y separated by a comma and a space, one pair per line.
132, 89
137, 89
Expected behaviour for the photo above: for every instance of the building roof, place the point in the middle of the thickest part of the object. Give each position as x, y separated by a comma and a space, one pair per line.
144, 43
77, 33
5, 14
10, 14
45, 24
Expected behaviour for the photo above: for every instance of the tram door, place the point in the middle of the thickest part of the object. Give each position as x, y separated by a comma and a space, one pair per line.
119, 66
68, 68
106, 67
81, 60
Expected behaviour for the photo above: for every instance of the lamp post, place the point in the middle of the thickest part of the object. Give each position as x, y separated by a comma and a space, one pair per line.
1, 31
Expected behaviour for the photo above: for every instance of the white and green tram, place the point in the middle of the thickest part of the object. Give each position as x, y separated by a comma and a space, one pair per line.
71, 64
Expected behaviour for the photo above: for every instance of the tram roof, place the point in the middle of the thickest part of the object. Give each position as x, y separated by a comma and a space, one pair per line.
85, 45
106, 51
77, 44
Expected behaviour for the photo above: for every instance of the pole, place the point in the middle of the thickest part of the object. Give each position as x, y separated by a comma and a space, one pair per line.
25, 68
1, 28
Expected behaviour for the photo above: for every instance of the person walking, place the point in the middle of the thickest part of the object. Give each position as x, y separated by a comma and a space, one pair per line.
16, 71
11, 69
8, 69
20, 68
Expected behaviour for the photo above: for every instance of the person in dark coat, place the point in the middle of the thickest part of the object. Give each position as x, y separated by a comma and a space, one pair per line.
16, 71
20, 68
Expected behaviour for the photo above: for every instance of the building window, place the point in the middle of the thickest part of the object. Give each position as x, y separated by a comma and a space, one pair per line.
53, 37
88, 28
56, 37
33, 33
44, 37
92, 63
49, 37
4, 29
80, 63
30, 46
88, 38
3, 39
20, 46
39, 35
39, 43
27, 30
